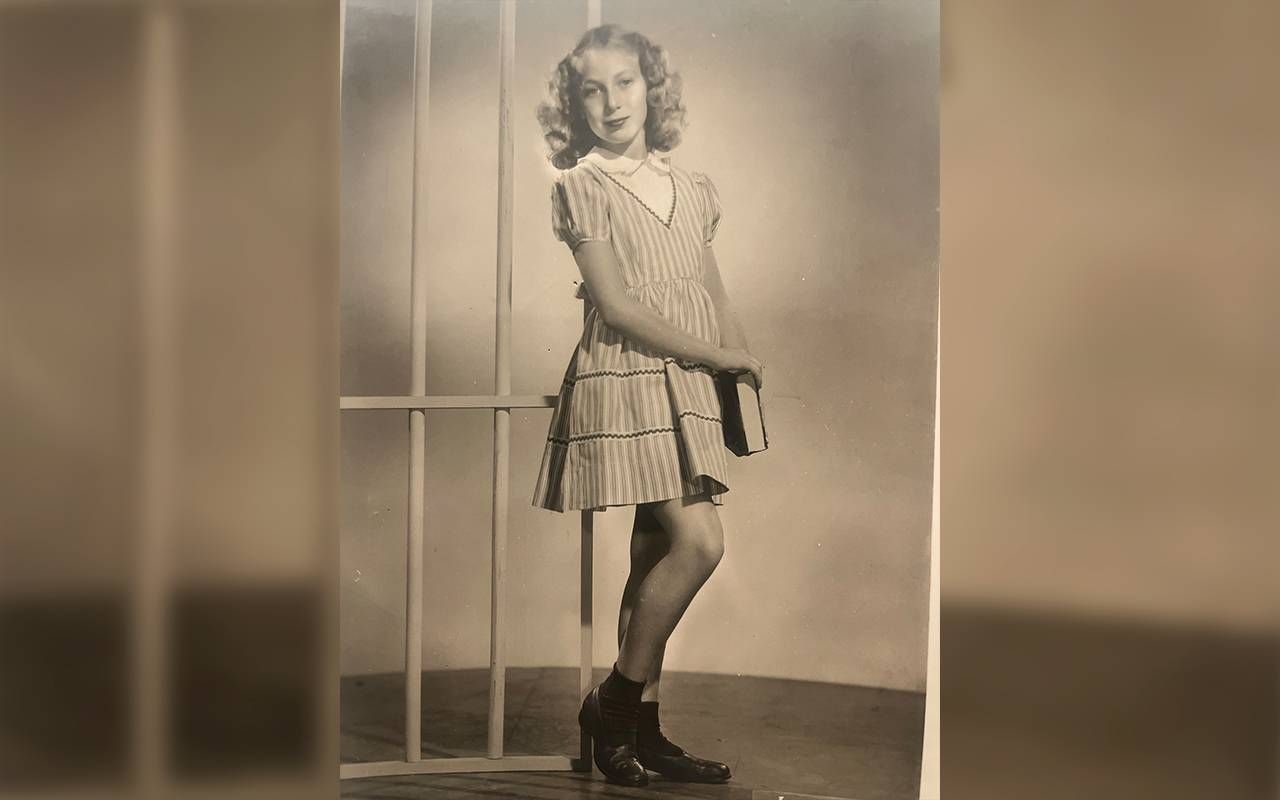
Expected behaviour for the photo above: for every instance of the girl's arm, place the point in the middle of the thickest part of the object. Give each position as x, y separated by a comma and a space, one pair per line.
640, 323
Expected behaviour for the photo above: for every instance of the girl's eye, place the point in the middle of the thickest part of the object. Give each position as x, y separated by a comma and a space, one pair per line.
587, 92
626, 81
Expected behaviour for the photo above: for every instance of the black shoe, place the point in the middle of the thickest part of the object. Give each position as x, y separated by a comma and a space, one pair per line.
613, 751
682, 767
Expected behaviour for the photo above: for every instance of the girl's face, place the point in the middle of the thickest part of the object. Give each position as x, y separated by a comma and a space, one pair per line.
614, 96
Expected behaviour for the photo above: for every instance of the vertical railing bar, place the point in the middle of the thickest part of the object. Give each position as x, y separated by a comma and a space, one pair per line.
502, 380
418, 380
587, 550
152, 596
586, 641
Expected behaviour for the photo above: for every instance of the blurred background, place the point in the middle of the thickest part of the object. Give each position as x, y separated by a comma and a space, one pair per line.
1109, 388
168, 344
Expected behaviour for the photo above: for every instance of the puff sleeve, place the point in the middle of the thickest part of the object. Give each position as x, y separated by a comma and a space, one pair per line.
710, 206
579, 209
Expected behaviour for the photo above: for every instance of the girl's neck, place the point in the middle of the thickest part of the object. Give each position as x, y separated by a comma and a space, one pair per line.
634, 149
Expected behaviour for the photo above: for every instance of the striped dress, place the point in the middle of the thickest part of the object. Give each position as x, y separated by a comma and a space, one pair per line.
632, 425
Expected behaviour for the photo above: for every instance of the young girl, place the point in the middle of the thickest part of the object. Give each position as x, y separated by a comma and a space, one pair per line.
637, 421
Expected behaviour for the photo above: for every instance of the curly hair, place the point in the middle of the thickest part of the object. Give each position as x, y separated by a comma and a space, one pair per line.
564, 121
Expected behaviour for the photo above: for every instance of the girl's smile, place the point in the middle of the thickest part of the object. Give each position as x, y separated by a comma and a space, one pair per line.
615, 99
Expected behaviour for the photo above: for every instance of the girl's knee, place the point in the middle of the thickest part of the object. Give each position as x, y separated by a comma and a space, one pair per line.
713, 551
706, 546
694, 529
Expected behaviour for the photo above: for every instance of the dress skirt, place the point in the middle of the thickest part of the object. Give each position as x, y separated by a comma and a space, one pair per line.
633, 426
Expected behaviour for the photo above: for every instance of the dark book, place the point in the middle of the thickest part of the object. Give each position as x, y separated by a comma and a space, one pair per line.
741, 414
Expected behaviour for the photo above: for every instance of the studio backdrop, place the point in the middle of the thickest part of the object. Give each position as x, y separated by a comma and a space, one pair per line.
818, 122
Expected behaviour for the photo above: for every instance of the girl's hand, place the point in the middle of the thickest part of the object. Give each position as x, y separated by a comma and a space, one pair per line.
732, 359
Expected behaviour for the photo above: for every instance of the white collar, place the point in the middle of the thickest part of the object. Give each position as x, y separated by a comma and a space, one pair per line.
614, 163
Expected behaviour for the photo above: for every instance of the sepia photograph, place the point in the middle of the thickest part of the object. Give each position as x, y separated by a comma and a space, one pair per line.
639, 319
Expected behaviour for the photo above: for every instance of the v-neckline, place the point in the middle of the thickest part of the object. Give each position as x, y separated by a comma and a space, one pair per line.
674, 197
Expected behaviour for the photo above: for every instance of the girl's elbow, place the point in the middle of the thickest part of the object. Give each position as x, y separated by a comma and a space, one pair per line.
612, 313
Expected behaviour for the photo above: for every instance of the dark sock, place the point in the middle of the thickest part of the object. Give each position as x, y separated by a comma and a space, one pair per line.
649, 733
620, 701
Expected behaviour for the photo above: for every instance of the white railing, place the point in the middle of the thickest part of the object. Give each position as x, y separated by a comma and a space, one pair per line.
502, 401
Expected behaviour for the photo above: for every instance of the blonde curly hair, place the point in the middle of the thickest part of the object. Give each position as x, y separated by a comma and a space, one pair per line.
564, 121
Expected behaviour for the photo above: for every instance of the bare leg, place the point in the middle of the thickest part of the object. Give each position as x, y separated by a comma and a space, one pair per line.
675, 546
649, 545
695, 545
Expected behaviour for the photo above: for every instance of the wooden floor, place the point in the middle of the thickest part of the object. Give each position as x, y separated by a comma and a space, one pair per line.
782, 738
